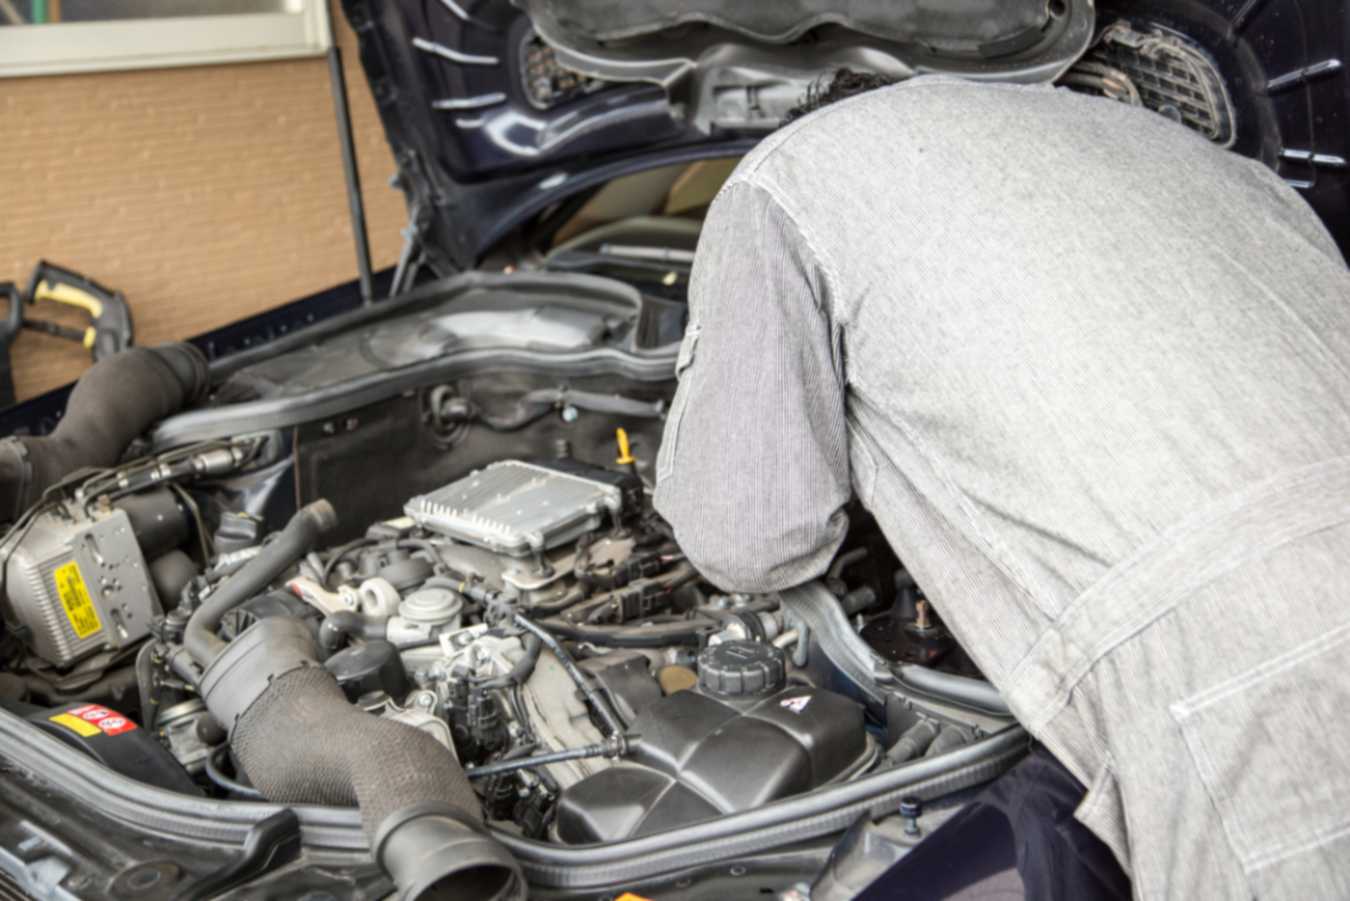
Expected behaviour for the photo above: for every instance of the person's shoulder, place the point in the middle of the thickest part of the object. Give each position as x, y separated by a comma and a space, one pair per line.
868, 115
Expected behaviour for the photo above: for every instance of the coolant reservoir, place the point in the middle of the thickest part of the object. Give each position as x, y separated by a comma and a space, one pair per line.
744, 738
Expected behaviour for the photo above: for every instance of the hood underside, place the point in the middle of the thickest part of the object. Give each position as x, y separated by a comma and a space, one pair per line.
495, 110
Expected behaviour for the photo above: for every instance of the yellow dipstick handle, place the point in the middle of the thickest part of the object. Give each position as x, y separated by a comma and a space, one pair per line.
625, 452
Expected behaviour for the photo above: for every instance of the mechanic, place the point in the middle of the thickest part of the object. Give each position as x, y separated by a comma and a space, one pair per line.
1091, 374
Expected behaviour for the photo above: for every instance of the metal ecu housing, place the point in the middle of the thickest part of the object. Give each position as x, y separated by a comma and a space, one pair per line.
78, 584
516, 508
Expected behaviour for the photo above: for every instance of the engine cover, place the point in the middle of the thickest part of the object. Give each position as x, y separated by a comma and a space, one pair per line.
700, 756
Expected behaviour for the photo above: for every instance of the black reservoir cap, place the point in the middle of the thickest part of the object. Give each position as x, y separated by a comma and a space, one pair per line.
738, 669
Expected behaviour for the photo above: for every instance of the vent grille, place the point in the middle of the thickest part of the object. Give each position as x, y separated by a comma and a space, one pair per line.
1162, 71
10, 890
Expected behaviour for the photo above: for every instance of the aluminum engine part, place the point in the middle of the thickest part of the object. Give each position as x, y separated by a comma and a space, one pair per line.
77, 584
459, 655
426, 722
516, 508
425, 613
528, 580
559, 719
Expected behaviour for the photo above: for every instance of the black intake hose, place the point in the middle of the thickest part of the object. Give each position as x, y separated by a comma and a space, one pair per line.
282, 552
300, 741
118, 399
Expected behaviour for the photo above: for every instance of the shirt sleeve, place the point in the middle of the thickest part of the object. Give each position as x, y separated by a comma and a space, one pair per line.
753, 471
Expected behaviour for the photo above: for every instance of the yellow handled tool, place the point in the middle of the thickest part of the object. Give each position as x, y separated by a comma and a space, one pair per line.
110, 328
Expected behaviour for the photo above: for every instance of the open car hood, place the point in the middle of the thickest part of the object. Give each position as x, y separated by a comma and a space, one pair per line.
496, 110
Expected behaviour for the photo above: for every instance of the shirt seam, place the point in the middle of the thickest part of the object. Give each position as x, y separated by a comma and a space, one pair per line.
818, 253
996, 551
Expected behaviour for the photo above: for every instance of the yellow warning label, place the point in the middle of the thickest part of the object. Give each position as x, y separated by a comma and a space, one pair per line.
75, 599
75, 724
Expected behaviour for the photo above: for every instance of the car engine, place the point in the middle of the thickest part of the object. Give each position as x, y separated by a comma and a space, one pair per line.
534, 618
516, 652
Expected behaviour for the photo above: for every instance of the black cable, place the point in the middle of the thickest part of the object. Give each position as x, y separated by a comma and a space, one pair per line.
524, 763
523, 668
224, 782
338, 553
613, 725
148, 687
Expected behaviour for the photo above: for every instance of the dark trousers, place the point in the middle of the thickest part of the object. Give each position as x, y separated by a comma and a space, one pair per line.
1016, 839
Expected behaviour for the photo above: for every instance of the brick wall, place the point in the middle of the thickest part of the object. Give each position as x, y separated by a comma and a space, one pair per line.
205, 194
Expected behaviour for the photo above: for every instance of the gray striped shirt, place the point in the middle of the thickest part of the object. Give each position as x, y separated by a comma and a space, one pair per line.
1033, 331
1064, 322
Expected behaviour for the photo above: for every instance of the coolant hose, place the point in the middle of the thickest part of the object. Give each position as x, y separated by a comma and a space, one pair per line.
341, 624
115, 401
523, 668
913, 742
300, 741
290, 544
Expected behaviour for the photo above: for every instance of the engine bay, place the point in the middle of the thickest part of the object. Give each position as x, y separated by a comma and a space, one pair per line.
533, 621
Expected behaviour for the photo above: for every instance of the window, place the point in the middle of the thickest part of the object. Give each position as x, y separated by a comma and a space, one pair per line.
40, 37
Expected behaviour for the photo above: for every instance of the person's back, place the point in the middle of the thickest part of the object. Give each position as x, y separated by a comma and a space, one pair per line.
1097, 382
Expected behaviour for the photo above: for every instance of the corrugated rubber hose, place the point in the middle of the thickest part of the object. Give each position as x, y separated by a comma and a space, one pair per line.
302, 741
298, 538
113, 403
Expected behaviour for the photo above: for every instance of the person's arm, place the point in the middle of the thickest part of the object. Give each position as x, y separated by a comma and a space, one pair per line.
753, 471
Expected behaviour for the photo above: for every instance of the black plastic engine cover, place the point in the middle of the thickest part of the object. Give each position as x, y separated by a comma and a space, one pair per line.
699, 757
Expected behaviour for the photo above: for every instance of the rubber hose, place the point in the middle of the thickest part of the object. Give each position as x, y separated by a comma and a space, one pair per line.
913, 742
216, 775
145, 684
690, 633
523, 763
613, 725
115, 687
158, 521
949, 739
948, 686
113, 403
170, 573
302, 742
523, 668
340, 624
278, 555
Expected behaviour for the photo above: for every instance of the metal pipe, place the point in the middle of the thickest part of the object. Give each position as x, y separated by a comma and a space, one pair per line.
523, 763
337, 81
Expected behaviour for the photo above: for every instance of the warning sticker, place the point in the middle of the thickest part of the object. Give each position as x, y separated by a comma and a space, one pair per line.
76, 725
75, 600
797, 704
91, 719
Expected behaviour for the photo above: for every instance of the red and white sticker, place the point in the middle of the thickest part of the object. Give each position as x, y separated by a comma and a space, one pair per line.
111, 722
797, 704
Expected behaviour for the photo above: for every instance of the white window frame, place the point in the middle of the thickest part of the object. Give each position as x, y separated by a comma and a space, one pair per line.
147, 43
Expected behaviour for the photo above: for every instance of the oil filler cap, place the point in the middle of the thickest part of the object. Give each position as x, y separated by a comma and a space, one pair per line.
739, 669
